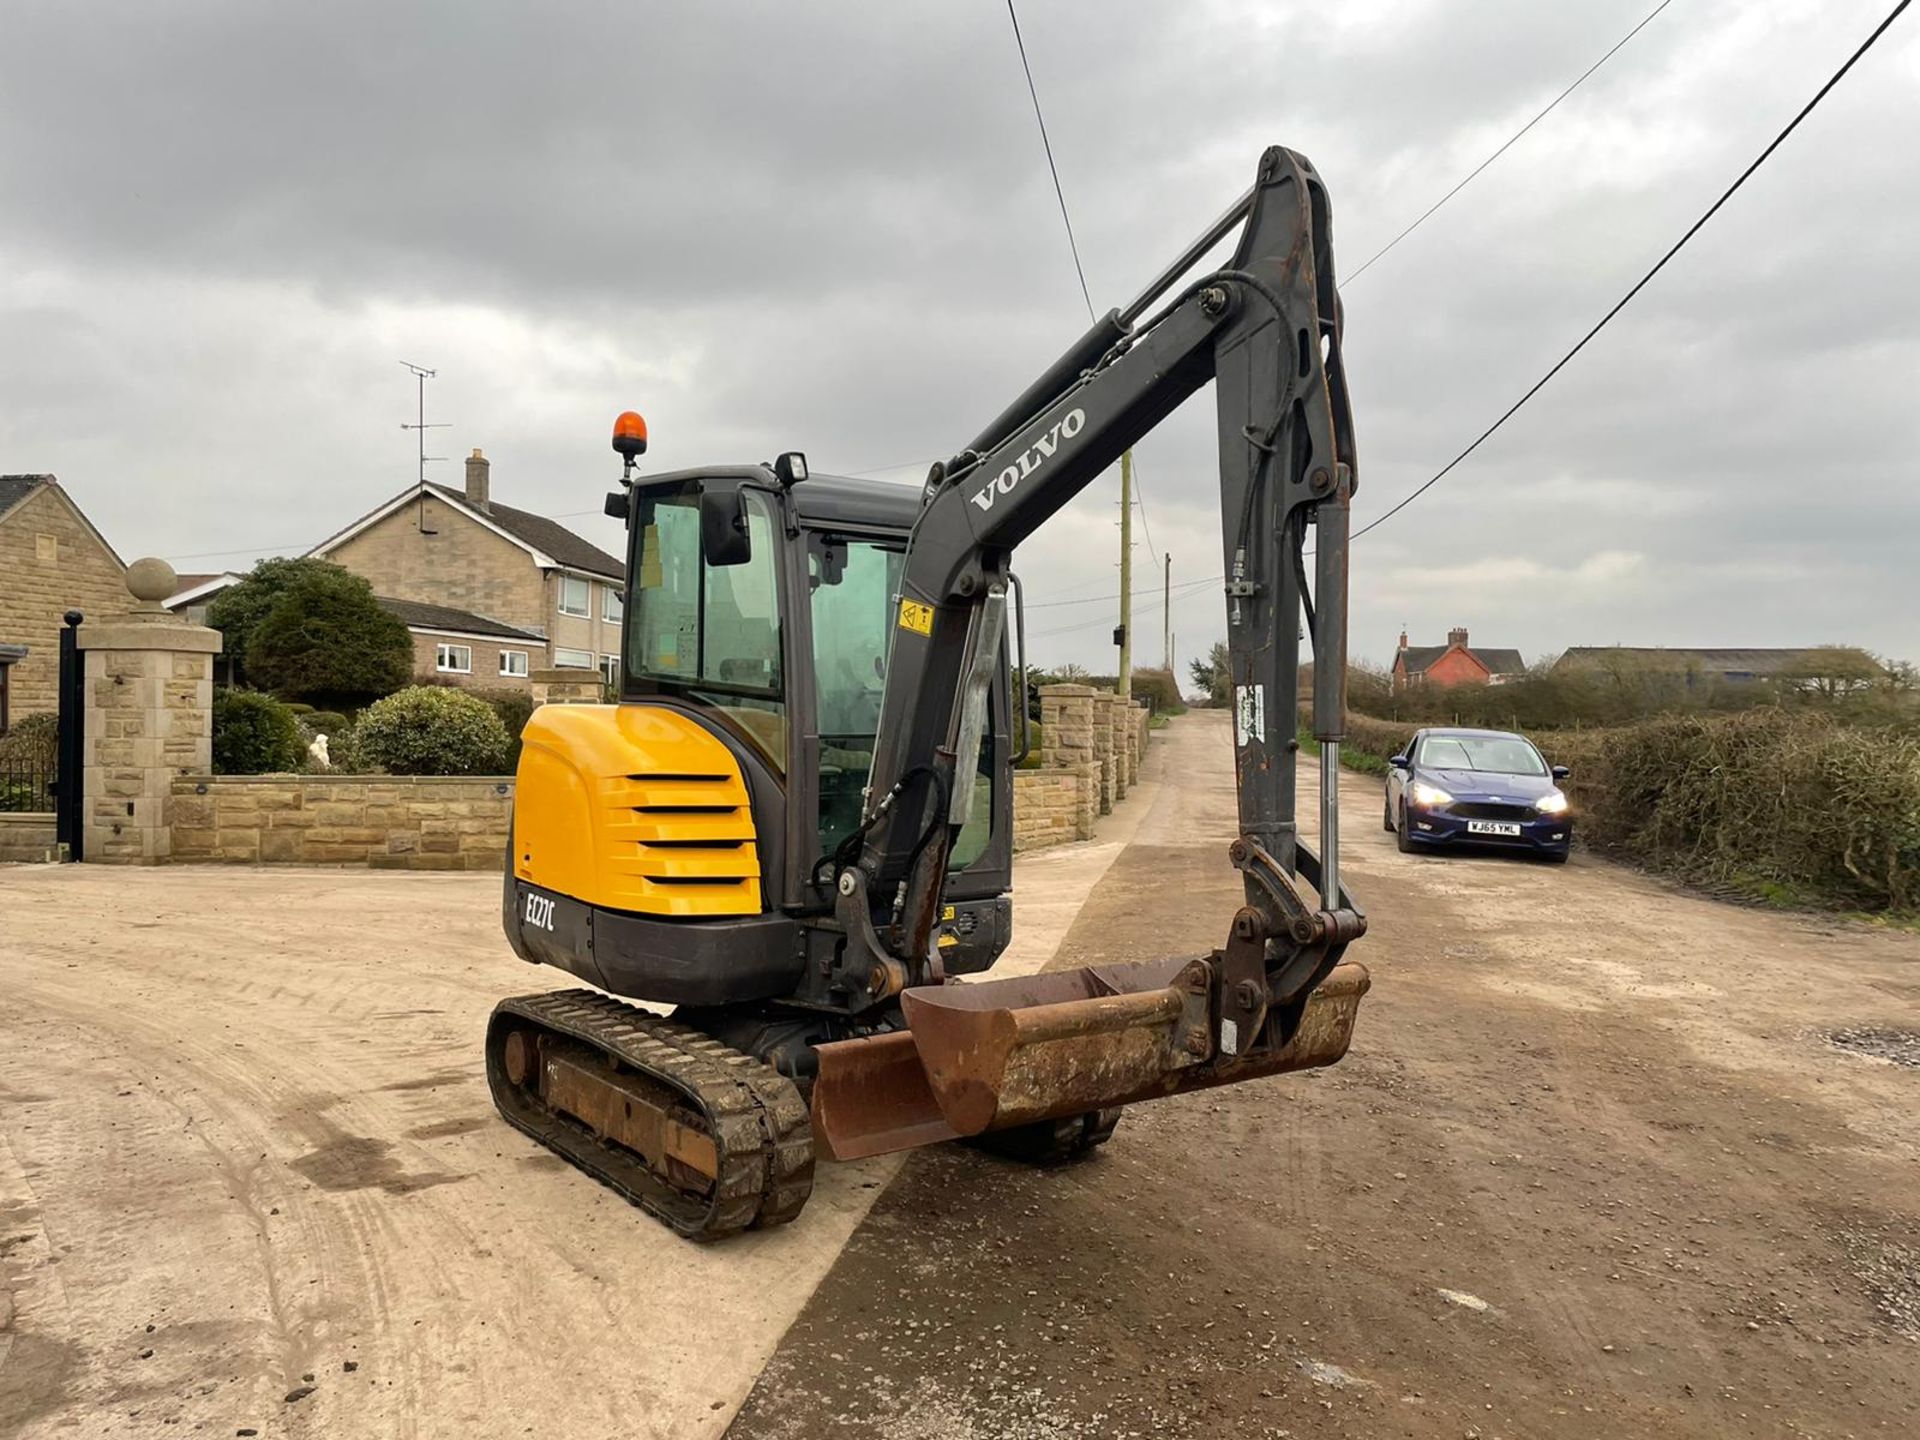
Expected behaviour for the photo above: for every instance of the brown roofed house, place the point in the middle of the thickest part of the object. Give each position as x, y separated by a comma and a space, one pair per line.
1454, 663
489, 592
52, 560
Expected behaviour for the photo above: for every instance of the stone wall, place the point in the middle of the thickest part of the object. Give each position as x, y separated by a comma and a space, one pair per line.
26, 837
1053, 807
388, 822
1082, 726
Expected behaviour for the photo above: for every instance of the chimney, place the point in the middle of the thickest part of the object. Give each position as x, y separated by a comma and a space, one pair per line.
1403, 639
1454, 637
477, 467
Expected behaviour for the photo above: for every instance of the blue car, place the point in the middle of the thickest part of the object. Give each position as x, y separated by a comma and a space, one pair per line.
1475, 788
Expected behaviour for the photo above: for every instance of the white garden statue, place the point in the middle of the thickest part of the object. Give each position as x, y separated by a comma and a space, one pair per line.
317, 753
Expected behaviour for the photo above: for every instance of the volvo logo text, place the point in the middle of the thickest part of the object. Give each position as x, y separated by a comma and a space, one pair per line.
1068, 426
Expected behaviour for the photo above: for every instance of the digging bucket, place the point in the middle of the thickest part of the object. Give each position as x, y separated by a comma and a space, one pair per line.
987, 1055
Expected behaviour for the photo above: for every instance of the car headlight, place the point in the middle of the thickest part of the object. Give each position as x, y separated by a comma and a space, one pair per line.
1551, 803
1425, 794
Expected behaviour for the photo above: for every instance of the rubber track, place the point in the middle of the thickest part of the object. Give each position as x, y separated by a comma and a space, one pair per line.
759, 1124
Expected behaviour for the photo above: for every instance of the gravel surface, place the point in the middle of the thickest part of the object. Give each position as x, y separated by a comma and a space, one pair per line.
1593, 1169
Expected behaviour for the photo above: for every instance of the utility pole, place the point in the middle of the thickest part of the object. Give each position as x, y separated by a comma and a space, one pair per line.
1125, 633
1166, 612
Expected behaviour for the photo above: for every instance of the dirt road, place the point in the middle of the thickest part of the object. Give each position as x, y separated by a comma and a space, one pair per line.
251, 1179
1595, 1168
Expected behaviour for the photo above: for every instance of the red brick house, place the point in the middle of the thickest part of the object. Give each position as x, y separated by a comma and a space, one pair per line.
1454, 663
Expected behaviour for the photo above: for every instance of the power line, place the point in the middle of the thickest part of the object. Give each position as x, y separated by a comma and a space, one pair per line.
1067, 220
1182, 589
1618, 44
1659, 265
1059, 194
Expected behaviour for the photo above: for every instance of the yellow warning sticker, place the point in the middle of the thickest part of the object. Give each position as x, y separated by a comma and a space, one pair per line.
947, 913
916, 617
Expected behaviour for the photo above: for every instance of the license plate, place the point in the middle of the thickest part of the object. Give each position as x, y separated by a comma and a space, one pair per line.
1493, 827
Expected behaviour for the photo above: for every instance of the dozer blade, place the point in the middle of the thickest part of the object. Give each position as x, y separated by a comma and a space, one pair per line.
1000, 1053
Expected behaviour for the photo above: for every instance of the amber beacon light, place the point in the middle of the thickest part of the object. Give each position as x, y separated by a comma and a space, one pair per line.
630, 434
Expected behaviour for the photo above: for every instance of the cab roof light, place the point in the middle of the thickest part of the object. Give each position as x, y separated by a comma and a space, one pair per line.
790, 468
630, 435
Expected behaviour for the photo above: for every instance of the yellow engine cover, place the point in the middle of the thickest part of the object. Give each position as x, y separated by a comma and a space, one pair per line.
637, 808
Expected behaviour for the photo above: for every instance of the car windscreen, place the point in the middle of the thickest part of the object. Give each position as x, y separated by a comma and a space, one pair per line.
1494, 754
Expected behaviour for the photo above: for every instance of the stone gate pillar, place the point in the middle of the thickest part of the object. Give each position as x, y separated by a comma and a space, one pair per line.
567, 687
148, 717
1108, 710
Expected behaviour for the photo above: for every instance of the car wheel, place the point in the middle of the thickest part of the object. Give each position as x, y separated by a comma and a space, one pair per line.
1402, 838
1386, 816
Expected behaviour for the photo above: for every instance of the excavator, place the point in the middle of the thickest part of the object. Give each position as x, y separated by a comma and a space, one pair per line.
793, 831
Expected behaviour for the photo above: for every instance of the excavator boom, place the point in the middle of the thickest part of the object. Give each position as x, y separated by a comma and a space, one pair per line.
1265, 329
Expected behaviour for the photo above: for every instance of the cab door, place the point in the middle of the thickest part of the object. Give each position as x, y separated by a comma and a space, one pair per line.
849, 584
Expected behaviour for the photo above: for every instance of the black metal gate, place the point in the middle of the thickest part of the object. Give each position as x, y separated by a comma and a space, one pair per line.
71, 749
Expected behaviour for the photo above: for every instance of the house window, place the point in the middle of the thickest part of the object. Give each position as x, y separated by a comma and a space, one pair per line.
513, 662
454, 660
612, 607
575, 596
573, 659
610, 668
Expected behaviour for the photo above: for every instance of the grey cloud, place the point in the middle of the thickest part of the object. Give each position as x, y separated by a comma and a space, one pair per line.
830, 227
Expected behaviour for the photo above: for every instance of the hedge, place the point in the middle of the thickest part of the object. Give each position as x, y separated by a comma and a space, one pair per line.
1781, 804
432, 730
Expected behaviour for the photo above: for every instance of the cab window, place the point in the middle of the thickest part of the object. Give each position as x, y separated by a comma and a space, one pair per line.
711, 633
854, 590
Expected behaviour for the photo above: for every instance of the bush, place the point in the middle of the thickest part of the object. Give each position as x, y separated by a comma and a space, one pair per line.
432, 730
343, 753
254, 734
33, 742
1036, 737
514, 707
327, 641
237, 611
1160, 690
1773, 801
324, 722
20, 797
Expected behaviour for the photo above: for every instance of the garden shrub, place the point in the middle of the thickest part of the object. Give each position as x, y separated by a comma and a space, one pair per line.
254, 734
328, 642
1160, 690
514, 707
432, 730
33, 742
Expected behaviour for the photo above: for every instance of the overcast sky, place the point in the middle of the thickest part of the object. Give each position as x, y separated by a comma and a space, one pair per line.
830, 228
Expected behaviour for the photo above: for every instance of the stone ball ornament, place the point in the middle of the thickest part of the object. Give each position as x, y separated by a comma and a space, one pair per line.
151, 580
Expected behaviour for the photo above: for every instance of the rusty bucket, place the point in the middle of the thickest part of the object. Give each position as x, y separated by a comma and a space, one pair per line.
980, 1056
